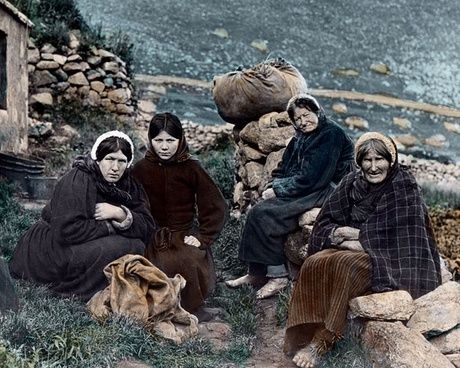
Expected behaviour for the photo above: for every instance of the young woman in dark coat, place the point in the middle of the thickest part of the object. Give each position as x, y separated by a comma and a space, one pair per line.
188, 207
314, 162
97, 214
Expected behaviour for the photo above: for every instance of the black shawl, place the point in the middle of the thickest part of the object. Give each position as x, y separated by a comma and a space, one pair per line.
397, 235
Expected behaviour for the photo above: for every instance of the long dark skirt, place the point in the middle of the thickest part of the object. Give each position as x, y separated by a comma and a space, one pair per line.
70, 270
328, 280
194, 264
270, 222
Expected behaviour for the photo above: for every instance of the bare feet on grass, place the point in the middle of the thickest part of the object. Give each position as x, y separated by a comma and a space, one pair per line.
247, 280
306, 357
272, 287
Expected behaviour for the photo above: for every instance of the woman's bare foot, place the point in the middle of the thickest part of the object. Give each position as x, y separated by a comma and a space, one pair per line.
306, 357
247, 280
272, 287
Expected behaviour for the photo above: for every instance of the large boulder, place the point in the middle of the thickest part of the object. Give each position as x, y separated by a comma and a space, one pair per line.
391, 345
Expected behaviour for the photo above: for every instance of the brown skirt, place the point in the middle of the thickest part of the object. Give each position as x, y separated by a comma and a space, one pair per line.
328, 280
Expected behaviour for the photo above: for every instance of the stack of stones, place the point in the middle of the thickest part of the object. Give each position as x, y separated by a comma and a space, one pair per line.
202, 137
97, 78
397, 331
259, 148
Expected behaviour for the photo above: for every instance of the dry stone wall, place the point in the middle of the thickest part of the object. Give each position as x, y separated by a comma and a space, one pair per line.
96, 77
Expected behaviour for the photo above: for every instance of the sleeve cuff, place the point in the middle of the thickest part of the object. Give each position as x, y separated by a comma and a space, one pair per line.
126, 223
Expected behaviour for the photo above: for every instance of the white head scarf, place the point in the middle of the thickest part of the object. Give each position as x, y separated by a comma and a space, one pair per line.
112, 133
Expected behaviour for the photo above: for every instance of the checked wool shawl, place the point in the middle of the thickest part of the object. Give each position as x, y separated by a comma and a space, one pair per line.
397, 236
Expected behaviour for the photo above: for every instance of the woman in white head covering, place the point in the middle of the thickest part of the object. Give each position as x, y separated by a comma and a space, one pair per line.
97, 214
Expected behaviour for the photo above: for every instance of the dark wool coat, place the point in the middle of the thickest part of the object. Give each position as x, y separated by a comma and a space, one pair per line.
181, 194
311, 166
397, 236
68, 249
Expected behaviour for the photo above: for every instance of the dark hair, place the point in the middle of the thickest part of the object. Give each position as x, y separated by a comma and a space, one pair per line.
374, 144
301, 102
113, 144
165, 121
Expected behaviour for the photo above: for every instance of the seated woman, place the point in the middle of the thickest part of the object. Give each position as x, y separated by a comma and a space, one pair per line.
314, 162
97, 214
372, 235
188, 207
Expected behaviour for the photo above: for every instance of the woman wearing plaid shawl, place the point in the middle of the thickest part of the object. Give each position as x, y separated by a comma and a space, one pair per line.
373, 234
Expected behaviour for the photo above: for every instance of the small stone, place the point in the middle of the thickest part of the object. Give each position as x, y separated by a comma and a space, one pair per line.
380, 68
407, 140
254, 173
340, 107
124, 109
93, 98
348, 72
72, 67
452, 127
94, 60
42, 78
60, 59
74, 43
74, 58
220, 32
268, 120
260, 45
42, 98
146, 106
357, 122
402, 122
97, 86
104, 54
47, 65
108, 82
47, 48
250, 154
40, 129
92, 75
30, 68
47, 57
437, 140
111, 67
78, 79
61, 75
84, 91
121, 95
62, 86
68, 131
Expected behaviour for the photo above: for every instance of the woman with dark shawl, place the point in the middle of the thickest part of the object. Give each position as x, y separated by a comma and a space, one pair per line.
373, 234
189, 208
314, 162
97, 214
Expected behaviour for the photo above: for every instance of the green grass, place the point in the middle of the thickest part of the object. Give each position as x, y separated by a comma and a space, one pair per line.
49, 331
444, 197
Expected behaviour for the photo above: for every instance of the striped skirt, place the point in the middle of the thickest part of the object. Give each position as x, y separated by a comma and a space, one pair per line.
328, 280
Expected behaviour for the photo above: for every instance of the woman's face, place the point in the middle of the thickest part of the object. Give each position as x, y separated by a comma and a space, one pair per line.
375, 167
165, 145
113, 166
305, 120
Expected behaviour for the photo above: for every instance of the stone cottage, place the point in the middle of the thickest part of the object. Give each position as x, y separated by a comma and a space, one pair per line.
14, 32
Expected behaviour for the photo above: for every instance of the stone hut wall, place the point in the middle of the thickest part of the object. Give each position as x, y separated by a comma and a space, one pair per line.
13, 119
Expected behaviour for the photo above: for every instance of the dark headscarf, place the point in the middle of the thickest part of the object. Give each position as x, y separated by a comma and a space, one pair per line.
170, 124
111, 191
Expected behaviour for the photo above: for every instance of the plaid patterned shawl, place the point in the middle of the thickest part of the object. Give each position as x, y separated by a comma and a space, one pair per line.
397, 235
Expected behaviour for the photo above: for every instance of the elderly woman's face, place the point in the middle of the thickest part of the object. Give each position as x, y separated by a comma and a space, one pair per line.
165, 145
113, 165
375, 167
305, 120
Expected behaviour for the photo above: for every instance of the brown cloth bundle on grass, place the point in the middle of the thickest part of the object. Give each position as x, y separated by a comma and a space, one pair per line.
140, 290
245, 95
